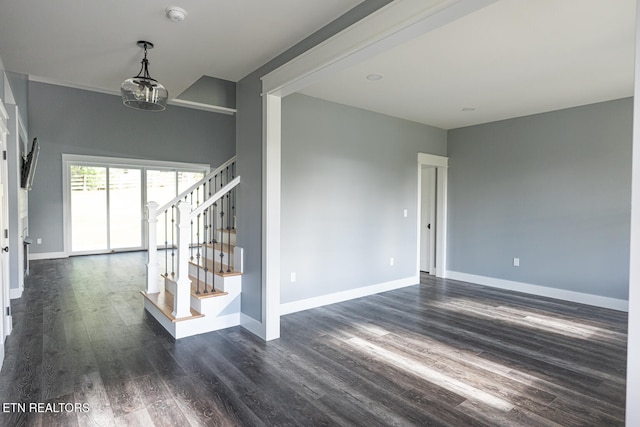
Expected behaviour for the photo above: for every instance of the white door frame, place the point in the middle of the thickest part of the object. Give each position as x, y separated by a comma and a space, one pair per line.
441, 165
5, 317
390, 26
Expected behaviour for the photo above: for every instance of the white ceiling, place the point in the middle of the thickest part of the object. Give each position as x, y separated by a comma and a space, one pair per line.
509, 59
92, 44
512, 58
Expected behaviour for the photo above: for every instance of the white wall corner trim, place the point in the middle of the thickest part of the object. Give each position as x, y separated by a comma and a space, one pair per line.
633, 338
543, 291
48, 255
271, 196
309, 303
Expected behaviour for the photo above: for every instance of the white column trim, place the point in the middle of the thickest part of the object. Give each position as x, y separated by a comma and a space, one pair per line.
272, 110
633, 337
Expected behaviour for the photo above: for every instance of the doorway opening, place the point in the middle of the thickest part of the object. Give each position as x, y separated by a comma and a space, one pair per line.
432, 214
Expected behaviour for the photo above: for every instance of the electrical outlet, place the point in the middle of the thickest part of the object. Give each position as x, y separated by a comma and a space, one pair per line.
516, 262
39, 241
391, 261
406, 213
293, 277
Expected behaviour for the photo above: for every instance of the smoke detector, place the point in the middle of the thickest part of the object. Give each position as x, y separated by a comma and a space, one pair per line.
176, 14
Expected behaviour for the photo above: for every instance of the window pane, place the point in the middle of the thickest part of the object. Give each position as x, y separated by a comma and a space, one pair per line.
88, 208
161, 187
125, 208
187, 179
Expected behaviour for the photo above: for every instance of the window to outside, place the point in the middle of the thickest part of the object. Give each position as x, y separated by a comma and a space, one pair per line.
88, 208
106, 204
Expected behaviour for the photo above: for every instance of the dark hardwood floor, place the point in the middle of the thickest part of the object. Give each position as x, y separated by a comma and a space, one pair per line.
439, 353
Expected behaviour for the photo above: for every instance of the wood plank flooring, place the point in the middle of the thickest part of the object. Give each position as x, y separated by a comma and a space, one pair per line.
441, 353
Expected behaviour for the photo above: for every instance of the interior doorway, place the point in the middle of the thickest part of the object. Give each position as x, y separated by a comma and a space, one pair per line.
428, 220
432, 214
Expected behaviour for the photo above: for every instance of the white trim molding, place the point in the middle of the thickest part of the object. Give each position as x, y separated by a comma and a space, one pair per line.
633, 337
271, 180
201, 106
543, 291
47, 255
252, 325
309, 303
16, 293
390, 26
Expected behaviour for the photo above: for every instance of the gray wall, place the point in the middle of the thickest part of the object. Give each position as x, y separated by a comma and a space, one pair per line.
73, 121
347, 175
212, 91
20, 88
2, 97
249, 151
553, 189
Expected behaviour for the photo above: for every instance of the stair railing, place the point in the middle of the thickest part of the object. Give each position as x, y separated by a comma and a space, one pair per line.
186, 216
168, 215
216, 214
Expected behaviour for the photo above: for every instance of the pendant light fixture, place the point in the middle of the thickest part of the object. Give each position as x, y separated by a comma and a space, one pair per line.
142, 92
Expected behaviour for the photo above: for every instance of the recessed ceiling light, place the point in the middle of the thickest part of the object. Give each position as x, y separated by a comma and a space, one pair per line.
468, 109
374, 77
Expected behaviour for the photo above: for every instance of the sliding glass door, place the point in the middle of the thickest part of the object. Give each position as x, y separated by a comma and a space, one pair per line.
105, 201
106, 208
89, 208
125, 208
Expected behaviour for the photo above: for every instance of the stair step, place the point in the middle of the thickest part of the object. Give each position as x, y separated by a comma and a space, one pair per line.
222, 247
201, 295
214, 267
164, 302
224, 230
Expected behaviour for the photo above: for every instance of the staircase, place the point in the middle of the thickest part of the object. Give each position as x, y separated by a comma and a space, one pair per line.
194, 268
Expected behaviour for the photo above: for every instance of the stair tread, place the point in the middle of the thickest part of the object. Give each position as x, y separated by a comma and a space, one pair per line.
214, 267
164, 302
202, 295
224, 230
224, 247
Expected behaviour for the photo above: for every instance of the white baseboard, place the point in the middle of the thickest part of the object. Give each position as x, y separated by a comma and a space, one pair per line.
16, 293
48, 255
309, 303
253, 326
561, 294
8, 326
